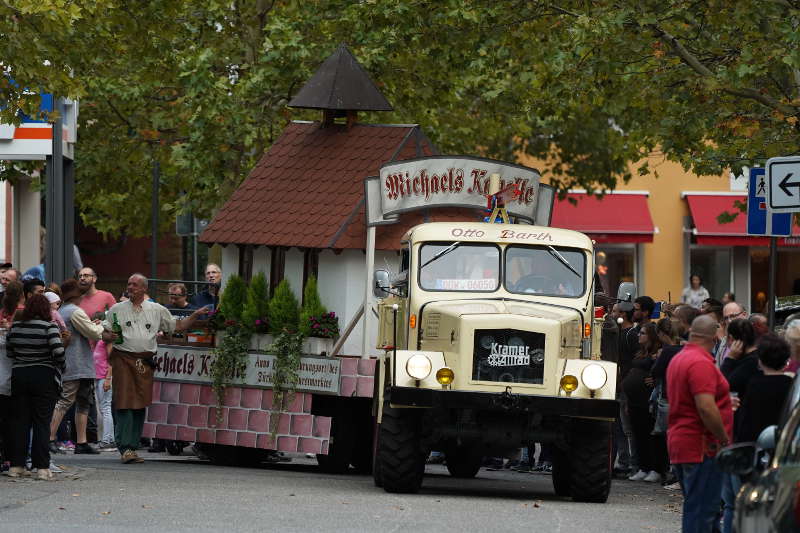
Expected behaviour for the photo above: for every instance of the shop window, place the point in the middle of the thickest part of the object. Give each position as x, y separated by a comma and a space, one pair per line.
615, 265
714, 268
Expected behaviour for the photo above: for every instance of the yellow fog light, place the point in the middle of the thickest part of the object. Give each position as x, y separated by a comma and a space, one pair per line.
419, 366
569, 383
594, 377
445, 376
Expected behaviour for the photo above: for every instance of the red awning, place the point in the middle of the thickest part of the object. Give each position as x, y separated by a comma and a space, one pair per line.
705, 208
613, 218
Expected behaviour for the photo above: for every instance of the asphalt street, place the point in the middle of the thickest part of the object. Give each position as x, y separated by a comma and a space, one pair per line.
98, 493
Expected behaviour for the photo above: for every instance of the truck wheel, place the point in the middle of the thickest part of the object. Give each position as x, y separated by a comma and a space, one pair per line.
590, 450
561, 472
340, 446
400, 455
462, 462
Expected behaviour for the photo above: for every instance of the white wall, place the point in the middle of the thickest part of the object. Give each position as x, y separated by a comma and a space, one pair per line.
341, 289
230, 262
293, 271
27, 226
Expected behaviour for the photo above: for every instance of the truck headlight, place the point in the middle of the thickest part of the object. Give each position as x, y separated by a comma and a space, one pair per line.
569, 383
419, 366
594, 376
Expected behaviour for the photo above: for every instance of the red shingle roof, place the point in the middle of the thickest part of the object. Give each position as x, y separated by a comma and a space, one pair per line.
308, 189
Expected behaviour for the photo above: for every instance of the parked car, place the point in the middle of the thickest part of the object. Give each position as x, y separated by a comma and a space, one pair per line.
769, 500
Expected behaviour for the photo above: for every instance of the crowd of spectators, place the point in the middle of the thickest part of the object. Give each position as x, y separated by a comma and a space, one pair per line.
704, 375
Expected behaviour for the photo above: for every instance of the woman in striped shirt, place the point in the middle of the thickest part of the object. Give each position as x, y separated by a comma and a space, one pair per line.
34, 345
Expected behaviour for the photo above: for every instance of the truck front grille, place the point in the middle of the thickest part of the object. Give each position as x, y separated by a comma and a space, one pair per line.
508, 356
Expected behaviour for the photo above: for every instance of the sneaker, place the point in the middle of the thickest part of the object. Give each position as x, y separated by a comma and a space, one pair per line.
511, 464
17, 471
673, 486
638, 476
54, 468
545, 468
85, 447
107, 447
44, 474
130, 456
523, 468
54, 448
69, 445
652, 477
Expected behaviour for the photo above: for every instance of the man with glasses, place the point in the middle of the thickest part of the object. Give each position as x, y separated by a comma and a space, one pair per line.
178, 305
730, 312
94, 300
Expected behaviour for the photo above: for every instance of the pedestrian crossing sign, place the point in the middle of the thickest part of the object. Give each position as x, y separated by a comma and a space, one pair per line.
760, 220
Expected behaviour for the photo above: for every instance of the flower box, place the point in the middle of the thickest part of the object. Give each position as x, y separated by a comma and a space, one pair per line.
317, 346
261, 341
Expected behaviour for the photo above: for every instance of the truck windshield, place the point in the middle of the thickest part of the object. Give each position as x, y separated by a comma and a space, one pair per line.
545, 270
448, 266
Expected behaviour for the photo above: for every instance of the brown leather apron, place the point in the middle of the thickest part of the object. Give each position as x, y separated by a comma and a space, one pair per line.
132, 383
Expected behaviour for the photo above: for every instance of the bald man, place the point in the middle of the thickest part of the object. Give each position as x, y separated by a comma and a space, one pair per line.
700, 424
730, 312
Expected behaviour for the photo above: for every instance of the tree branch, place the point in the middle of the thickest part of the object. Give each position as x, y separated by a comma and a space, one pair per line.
689, 58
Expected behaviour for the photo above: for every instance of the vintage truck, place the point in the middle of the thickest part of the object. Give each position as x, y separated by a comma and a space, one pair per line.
491, 344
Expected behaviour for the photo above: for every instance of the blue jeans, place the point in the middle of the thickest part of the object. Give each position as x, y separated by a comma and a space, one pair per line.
730, 488
104, 405
701, 484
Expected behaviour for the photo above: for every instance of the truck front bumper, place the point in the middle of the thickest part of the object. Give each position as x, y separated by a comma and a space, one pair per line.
491, 401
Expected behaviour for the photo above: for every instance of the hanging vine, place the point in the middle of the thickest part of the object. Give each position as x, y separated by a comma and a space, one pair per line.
230, 363
285, 375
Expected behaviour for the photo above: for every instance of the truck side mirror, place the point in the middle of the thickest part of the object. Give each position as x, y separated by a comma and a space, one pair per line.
380, 284
626, 291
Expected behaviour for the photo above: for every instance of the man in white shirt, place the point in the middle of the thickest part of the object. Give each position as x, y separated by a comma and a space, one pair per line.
131, 360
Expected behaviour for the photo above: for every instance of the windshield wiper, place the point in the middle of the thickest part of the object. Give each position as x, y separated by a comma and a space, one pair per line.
555, 253
439, 254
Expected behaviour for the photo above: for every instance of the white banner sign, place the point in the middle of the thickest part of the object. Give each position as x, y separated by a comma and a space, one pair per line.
444, 181
189, 364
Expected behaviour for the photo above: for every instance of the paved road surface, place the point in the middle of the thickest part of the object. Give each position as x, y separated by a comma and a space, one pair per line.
98, 493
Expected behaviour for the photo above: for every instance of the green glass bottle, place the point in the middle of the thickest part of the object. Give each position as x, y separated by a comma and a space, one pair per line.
116, 328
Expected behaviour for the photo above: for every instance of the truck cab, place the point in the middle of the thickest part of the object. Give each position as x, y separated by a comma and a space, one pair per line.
492, 344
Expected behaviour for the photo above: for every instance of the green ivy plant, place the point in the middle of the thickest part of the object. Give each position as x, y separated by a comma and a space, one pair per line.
230, 362
285, 375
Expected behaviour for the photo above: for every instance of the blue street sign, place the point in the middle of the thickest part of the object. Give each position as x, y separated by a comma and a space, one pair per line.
758, 221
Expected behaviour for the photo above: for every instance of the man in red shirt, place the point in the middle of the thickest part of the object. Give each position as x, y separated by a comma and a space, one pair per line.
700, 424
93, 300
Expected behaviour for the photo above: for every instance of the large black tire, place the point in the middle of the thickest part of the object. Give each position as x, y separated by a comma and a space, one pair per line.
590, 451
400, 454
340, 446
463, 462
562, 472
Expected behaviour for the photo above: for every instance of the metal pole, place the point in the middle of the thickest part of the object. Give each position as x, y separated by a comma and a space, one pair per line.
368, 296
55, 217
194, 257
154, 226
773, 260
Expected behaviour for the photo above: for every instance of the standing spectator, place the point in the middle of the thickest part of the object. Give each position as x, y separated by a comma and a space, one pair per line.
11, 274
3, 268
102, 386
210, 296
55, 303
131, 360
792, 336
93, 300
177, 300
695, 293
32, 286
79, 376
13, 301
34, 345
740, 367
637, 389
728, 297
643, 308
760, 325
700, 423
767, 391
627, 460
5, 403
730, 312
